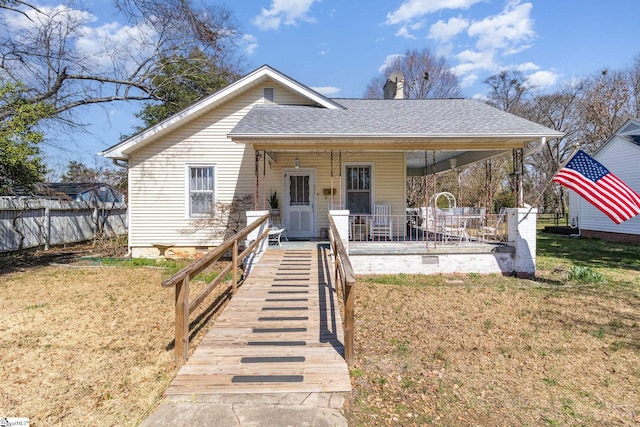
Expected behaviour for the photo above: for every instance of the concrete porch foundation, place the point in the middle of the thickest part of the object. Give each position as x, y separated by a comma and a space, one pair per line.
411, 259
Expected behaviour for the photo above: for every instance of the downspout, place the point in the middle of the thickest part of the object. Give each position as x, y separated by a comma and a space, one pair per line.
125, 165
120, 165
578, 219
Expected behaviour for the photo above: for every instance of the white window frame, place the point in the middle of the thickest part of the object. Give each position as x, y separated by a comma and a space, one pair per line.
188, 169
371, 190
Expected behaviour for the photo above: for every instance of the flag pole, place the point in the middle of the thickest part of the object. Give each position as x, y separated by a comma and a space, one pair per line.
576, 147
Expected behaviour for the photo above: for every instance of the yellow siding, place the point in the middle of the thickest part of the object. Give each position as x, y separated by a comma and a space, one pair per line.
158, 172
389, 179
158, 194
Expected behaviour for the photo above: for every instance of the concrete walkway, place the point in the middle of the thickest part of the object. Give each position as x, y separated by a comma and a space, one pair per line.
255, 410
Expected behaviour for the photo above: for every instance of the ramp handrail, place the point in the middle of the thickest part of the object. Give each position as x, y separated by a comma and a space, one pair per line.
184, 307
346, 279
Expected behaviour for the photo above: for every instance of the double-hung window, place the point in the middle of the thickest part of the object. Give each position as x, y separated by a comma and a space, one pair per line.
201, 190
359, 189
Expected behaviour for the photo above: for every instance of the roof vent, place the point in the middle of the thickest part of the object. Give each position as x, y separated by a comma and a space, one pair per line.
394, 86
268, 94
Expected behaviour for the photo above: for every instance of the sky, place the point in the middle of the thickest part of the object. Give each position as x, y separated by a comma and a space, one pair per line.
338, 46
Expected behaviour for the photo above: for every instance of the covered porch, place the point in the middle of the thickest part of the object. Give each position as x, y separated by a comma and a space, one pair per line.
299, 188
365, 192
352, 163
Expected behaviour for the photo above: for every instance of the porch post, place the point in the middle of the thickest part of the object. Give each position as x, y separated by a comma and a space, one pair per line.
521, 228
253, 216
256, 194
341, 219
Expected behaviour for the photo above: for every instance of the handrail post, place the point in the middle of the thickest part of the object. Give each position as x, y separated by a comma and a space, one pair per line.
182, 321
348, 325
234, 260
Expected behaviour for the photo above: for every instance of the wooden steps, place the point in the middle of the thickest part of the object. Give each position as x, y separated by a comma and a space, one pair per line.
281, 332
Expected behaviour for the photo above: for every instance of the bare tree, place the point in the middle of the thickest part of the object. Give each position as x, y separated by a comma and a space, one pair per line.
507, 90
633, 75
558, 111
49, 49
426, 76
605, 106
224, 219
17, 6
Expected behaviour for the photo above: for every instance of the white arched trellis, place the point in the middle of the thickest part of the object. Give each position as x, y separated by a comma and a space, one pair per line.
451, 200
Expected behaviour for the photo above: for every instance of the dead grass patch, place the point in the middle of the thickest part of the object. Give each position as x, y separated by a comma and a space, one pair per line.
89, 346
479, 350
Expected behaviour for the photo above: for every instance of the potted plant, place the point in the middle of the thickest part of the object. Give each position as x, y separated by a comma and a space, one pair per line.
274, 204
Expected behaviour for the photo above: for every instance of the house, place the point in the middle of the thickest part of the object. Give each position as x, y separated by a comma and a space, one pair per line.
74, 191
621, 155
269, 133
82, 191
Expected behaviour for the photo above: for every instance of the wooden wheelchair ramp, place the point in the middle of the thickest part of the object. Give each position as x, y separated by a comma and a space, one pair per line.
281, 332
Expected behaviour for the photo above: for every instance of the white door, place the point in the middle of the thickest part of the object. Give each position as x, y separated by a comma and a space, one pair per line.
299, 203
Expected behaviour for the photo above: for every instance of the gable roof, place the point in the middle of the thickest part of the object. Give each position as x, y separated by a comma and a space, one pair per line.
630, 127
121, 150
629, 131
423, 124
632, 138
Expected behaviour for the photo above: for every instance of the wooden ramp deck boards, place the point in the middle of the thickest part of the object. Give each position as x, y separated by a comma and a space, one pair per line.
281, 332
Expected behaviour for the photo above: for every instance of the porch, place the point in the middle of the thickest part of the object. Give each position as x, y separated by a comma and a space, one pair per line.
510, 252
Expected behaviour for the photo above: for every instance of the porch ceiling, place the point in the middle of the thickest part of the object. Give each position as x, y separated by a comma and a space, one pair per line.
423, 155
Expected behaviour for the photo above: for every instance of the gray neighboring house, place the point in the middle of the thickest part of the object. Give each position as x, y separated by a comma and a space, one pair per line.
80, 191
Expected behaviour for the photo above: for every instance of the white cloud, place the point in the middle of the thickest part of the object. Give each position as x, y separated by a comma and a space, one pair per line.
528, 66
114, 42
480, 97
390, 59
445, 31
472, 61
404, 32
250, 43
101, 45
543, 79
59, 13
468, 80
508, 31
411, 10
326, 90
287, 12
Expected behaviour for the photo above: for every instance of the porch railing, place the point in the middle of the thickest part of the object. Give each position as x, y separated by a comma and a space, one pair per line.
184, 306
346, 279
446, 227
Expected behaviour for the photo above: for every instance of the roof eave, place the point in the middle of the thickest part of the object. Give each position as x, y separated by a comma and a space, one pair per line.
238, 137
122, 150
391, 142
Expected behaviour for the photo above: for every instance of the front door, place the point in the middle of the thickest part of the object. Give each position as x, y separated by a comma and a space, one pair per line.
299, 203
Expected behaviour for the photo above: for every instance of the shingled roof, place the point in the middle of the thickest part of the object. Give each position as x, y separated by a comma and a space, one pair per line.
388, 118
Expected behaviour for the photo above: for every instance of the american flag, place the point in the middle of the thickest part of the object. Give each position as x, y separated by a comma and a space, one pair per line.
591, 180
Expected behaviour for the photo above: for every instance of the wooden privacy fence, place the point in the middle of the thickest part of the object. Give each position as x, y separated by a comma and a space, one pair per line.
28, 223
185, 306
346, 279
